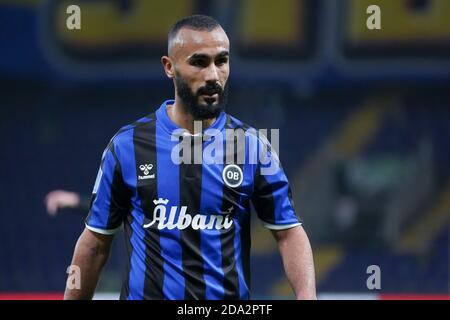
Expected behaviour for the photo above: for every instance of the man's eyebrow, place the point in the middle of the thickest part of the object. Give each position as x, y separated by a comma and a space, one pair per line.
199, 56
205, 56
223, 54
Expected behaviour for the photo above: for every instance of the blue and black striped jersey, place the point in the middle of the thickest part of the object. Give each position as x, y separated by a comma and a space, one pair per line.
187, 225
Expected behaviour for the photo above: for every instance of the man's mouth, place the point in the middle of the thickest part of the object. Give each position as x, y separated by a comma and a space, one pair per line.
214, 95
211, 99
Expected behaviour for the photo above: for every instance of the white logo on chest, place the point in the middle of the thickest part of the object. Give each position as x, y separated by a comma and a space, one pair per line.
232, 175
197, 222
146, 168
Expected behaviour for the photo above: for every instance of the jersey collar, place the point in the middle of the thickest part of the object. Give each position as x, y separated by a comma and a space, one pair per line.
170, 126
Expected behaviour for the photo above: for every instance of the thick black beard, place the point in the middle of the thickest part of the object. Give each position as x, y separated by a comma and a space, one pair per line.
190, 99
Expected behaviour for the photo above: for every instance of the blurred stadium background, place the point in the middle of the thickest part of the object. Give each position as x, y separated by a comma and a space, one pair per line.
364, 118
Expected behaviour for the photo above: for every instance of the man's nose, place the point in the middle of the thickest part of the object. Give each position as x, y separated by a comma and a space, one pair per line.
211, 74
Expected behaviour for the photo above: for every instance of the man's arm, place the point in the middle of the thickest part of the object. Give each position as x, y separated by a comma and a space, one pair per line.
297, 257
91, 252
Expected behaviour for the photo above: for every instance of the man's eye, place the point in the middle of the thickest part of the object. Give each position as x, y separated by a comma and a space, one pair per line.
198, 63
221, 62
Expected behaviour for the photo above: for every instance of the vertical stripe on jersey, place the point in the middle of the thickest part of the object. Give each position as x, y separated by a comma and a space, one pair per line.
168, 177
245, 240
145, 154
243, 237
120, 196
230, 198
243, 292
211, 202
190, 193
138, 256
131, 261
134, 276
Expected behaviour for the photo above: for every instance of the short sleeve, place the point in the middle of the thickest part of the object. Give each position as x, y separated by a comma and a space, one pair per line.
272, 197
110, 202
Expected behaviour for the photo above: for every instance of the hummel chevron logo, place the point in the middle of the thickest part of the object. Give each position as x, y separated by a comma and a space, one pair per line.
146, 168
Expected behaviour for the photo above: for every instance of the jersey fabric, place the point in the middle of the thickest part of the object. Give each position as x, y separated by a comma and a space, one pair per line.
187, 226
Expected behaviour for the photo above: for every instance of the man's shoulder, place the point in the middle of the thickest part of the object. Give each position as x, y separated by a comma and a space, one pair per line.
124, 133
235, 123
259, 135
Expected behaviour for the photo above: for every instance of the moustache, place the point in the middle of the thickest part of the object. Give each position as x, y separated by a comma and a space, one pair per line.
210, 89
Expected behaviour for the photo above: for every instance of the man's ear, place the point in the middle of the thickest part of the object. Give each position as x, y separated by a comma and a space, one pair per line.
168, 66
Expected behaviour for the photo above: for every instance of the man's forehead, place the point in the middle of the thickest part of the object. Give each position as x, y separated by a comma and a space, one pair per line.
188, 42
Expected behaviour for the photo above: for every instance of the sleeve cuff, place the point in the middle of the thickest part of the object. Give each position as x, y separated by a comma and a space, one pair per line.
281, 226
103, 231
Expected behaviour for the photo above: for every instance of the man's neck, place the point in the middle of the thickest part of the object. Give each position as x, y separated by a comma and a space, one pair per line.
178, 114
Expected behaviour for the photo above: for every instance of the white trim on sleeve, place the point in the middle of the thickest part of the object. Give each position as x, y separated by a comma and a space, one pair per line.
281, 226
103, 231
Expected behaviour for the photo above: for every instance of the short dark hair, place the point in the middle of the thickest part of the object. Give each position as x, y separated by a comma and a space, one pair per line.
196, 22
